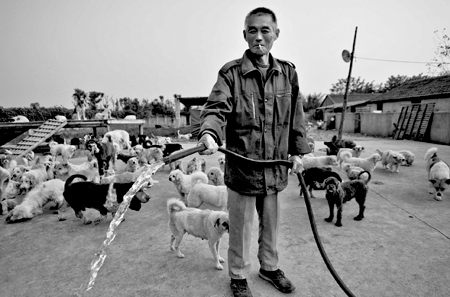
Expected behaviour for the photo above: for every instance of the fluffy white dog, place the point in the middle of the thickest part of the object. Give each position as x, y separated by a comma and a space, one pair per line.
391, 159
215, 175
367, 164
205, 224
438, 173
88, 169
310, 162
356, 152
33, 202
65, 150
187, 136
409, 157
119, 136
184, 182
221, 161
132, 165
196, 164
216, 196
30, 179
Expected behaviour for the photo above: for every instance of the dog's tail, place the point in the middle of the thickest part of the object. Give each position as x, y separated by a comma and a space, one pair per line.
71, 178
379, 152
174, 205
366, 181
431, 153
345, 155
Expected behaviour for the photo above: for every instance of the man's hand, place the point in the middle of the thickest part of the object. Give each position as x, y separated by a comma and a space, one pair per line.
297, 166
210, 143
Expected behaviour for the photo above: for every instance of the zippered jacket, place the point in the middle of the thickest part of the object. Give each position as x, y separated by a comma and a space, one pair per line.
257, 120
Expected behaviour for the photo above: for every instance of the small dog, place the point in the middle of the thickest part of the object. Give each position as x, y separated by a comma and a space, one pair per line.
343, 143
187, 136
184, 182
196, 164
338, 193
221, 161
310, 162
65, 150
35, 176
215, 175
98, 196
368, 164
409, 157
120, 137
33, 202
150, 156
215, 196
315, 176
124, 158
438, 173
132, 165
332, 149
89, 169
104, 152
355, 172
391, 159
356, 153
204, 224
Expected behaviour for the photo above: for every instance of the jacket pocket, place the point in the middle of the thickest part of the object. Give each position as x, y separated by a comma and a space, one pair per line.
282, 107
247, 110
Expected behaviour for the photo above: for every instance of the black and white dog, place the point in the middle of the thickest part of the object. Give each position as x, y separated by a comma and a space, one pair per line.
104, 152
86, 194
315, 176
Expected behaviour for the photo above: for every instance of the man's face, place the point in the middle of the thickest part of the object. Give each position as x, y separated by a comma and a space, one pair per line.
260, 34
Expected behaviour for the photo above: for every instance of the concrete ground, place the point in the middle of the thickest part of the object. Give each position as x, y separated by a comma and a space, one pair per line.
401, 248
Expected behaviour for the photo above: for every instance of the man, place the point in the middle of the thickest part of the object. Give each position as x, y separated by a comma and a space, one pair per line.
257, 99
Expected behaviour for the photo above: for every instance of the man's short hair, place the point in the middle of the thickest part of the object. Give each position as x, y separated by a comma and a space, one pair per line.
261, 10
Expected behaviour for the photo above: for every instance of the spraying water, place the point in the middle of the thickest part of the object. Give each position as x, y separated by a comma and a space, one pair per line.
97, 263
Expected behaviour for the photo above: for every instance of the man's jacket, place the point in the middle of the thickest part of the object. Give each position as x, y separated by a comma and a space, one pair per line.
257, 120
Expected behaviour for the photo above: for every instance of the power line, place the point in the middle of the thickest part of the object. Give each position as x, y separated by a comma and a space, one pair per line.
397, 61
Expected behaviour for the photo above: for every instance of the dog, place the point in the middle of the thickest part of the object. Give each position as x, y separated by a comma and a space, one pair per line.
65, 150
104, 152
124, 158
221, 161
355, 172
18, 171
205, 224
121, 137
215, 196
89, 169
150, 156
343, 143
187, 136
132, 165
35, 176
196, 164
215, 175
356, 152
311, 144
315, 176
310, 162
184, 182
331, 149
98, 196
409, 157
338, 193
438, 173
368, 164
35, 199
391, 159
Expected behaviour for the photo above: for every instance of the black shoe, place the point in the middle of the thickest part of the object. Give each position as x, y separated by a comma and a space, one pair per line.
240, 288
278, 280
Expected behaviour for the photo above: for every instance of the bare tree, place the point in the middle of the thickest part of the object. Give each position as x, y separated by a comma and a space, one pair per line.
441, 62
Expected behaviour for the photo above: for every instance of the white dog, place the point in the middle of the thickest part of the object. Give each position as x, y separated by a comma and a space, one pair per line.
216, 196
132, 165
355, 172
438, 173
150, 156
205, 224
221, 161
215, 175
391, 159
121, 137
61, 118
33, 202
409, 157
184, 182
367, 164
196, 164
356, 152
187, 136
65, 150
88, 169
30, 179
310, 162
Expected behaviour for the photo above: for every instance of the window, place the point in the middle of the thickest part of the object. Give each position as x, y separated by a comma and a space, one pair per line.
380, 106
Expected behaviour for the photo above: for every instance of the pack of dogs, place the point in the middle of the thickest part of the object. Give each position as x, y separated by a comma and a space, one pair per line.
200, 209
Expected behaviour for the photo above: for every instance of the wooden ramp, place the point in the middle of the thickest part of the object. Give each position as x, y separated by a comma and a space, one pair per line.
37, 137
413, 121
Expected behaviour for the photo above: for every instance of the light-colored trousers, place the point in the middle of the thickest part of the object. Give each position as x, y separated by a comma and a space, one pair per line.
241, 213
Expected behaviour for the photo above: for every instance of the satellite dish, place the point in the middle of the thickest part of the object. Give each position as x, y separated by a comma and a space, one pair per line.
346, 56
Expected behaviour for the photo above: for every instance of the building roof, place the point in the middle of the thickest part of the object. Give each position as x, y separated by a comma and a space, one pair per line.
436, 87
189, 101
339, 98
339, 105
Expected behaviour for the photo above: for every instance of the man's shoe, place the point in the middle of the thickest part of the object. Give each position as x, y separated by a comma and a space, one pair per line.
240, 288
278, 280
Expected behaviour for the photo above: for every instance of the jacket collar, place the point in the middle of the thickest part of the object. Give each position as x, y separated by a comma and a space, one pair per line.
247, 65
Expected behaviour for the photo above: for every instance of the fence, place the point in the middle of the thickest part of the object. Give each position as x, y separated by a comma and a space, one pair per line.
164, 121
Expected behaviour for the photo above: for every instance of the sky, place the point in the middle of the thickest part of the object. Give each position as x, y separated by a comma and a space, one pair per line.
145, 49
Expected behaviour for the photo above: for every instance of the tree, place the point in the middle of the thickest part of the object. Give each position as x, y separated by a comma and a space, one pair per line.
357, 85
313, 101
35, 105
441, 62
395, 81
94, 99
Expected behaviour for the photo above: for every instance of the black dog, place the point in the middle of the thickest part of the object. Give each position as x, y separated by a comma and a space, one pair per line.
82, 195
124, 158
104, 152
338, 193
343, 143
315, 176
332, 149
168, 148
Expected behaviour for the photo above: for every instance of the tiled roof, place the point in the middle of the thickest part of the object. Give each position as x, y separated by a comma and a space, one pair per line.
434, 86
351, 97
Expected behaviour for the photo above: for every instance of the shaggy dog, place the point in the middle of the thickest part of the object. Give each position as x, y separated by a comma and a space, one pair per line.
18, 171
356, 153
35, 176
438, 173
315, 176
391, 159
215, 175
98, 196
409, 157
132, 165
184, 182
355, 172
65, 150
187, 136
205, 224
119, 136
367, 164
216, 196
310, 162
6, 204
343, 143
88, 169
196, 164
338, 193
221, 161
33, 202
10, 190
104, 152
150, 156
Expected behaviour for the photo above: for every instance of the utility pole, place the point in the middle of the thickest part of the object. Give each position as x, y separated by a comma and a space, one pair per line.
344, 104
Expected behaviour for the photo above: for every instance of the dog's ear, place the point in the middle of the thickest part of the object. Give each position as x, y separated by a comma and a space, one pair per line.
447, 181
217, 223
226, 226
432, 181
